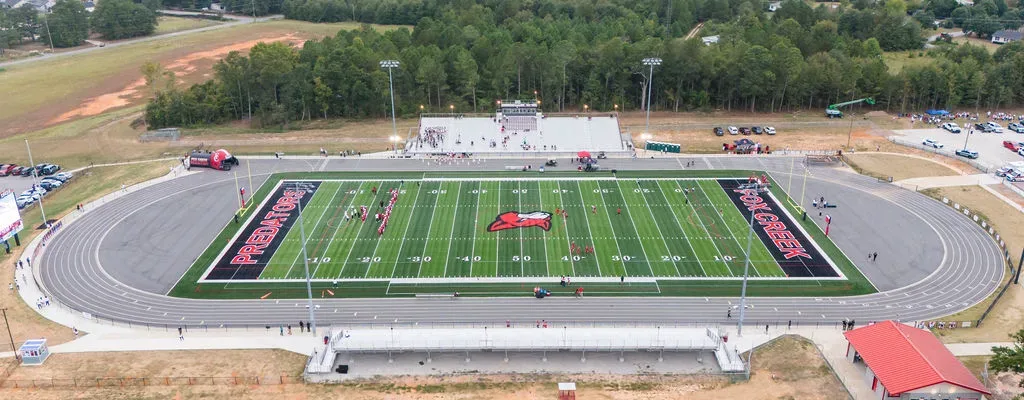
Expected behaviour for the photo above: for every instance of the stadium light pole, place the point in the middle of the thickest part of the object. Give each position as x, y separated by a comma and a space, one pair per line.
651, 61
305, 263
746, 273
391, 64
35, 176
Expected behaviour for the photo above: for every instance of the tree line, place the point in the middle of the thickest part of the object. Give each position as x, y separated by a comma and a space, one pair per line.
68, 24
469, 57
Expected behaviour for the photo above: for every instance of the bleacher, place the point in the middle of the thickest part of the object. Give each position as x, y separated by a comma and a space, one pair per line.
442, 134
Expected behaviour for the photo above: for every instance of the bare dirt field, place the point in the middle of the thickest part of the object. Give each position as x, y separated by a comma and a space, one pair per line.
788, 368
1003, 385
898, 166
25, 323
1008, 314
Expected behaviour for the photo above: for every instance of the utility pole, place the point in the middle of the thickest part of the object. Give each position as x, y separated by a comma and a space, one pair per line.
8, 325
652, 61
746, 273
305, 262
35, 176
48, 35
390, 64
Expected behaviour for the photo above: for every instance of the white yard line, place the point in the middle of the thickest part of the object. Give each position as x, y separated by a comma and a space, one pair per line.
676, 217
404, 234
429, 229
354, 241
320, 260
660, 232
583, 204
476, 225
699, 219
299, 253
638, 238
447, 258
565, 225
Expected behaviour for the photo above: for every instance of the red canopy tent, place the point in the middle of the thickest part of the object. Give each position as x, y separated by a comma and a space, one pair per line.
583, 154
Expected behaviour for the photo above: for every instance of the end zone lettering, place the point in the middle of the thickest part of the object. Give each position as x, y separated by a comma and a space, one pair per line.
787, 244
269, 227
248, 254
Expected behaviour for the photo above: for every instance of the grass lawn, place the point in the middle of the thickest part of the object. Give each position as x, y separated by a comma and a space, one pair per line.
47, 89
897, 60
897, 166
167, 24
986, 43
665, 233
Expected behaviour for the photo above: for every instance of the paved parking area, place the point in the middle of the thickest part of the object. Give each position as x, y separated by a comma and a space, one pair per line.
17, 184
988, 145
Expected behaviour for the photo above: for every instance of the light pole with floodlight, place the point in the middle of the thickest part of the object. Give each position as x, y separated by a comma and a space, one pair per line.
652, 61
391, 64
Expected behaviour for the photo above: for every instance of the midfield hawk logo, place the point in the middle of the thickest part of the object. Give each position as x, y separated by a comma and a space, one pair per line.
515, 219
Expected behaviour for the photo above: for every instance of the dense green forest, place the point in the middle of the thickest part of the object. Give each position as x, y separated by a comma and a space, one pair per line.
572, 52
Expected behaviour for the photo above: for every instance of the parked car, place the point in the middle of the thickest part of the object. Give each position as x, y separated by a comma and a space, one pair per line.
1020, 151
719, 131
1001, 172
47, 169
49, 185
769, 130
933, 143
967, 153
23, 202
66, 176
982, 128
1016, 127
949, 126
27, 171
994, 127
733, 130
1010, 145
744, 130
757, 130
6, 169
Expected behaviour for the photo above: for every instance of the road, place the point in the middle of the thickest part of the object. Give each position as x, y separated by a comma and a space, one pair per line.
933, 261
237, 20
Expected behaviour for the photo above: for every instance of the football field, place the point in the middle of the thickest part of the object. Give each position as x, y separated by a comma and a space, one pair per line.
517, 230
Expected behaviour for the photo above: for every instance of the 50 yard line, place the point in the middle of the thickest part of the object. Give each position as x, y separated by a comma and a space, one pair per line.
412, 210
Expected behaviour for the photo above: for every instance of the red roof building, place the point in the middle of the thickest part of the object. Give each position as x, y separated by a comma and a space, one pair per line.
909, 363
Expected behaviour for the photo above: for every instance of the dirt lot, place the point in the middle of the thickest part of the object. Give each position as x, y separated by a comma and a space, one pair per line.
1003, 385
1008, 315
25, 323
787, 369
898, 166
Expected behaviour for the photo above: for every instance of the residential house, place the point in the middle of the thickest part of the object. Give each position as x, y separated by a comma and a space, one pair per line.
1006, 36
42, 6
89, 6
708, 40
774, 6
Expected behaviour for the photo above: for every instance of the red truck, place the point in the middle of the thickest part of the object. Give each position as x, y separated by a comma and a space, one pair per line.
219, 160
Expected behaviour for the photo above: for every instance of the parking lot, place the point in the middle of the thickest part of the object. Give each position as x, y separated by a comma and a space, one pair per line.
17, 184
988, 145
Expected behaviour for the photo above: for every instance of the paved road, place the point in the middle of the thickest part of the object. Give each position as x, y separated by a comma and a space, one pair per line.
236, 20
932, 260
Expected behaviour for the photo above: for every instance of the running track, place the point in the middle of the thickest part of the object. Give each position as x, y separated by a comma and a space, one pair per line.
940, 262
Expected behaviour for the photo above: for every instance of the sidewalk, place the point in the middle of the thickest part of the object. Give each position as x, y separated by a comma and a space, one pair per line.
946, 181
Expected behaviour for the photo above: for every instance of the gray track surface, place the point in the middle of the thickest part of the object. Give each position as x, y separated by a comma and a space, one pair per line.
117, 260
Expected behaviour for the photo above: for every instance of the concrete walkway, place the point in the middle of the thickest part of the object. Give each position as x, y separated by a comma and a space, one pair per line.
946, 181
